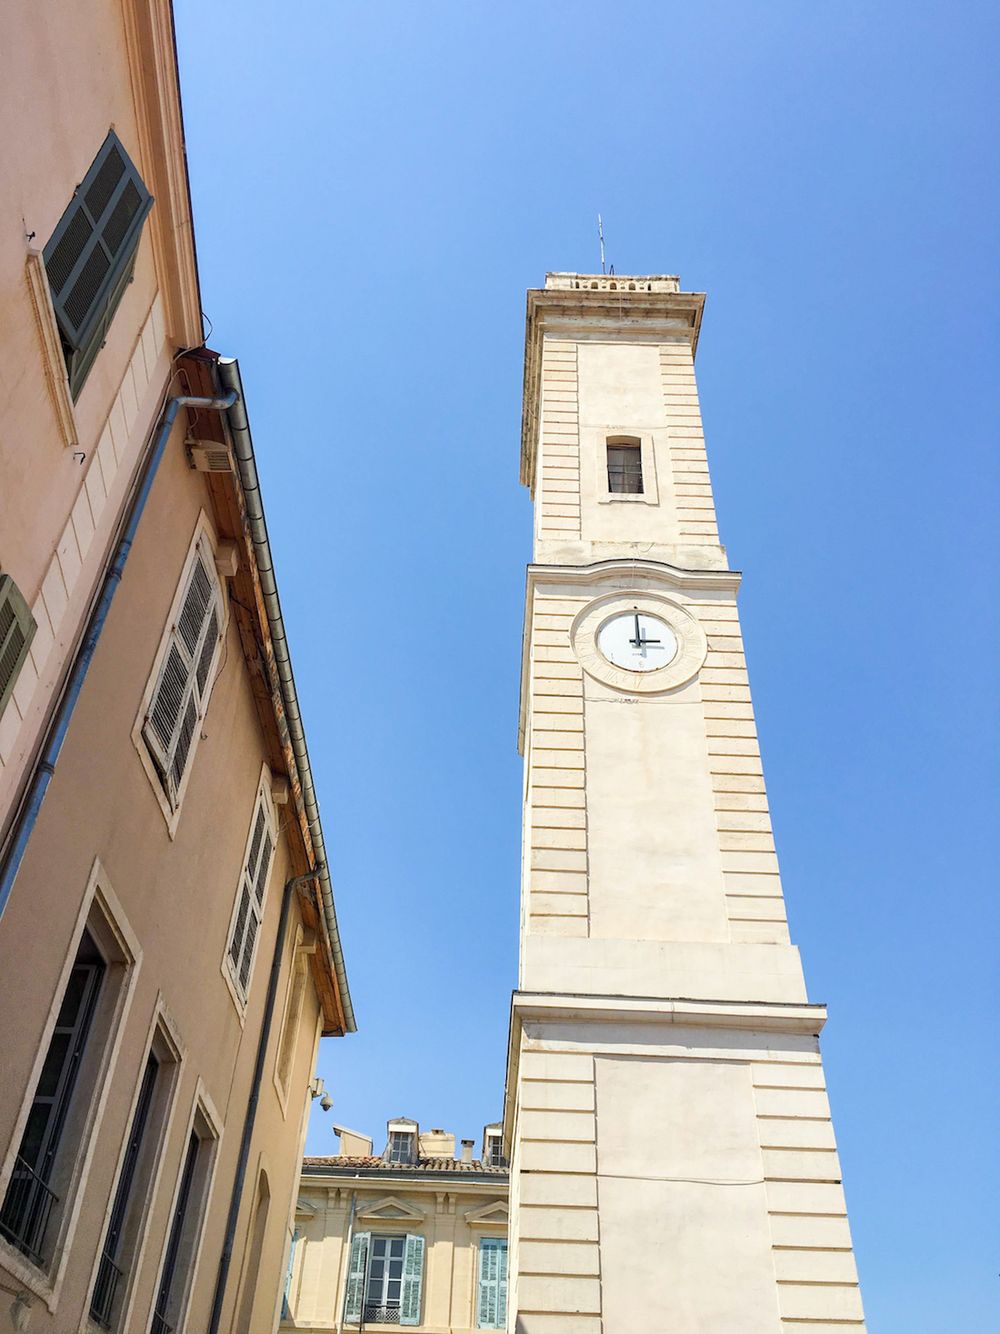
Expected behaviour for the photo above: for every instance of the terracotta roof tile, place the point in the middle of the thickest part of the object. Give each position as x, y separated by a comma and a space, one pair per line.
372, 1162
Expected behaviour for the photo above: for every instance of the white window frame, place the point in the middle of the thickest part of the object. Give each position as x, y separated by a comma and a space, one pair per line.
650, 493
203, 545
240, 992
103, 916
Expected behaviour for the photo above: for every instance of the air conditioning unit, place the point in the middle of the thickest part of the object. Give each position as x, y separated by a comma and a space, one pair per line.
209, 456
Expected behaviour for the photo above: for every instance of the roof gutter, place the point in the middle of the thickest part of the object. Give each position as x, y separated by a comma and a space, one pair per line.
239, 426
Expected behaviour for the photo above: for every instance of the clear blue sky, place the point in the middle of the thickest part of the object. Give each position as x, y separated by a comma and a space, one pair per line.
375, 185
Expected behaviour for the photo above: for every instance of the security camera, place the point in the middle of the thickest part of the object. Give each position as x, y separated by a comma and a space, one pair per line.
326, 1102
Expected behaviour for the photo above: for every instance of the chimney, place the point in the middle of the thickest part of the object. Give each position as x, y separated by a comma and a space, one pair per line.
437, 1143
353, 1144
467, 1150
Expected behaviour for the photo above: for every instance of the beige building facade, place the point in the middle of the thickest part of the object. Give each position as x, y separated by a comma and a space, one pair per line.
673, 1163
169, 950
413, 1236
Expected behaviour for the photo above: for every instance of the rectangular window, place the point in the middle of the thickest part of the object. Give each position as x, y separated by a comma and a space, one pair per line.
625, 469
257, 863
28, 1203
185, 1227
494, 1151
491, 1306
178, 703
110, 1272
91, 255
137, 1171
400, 1147
293, 1020
17, 629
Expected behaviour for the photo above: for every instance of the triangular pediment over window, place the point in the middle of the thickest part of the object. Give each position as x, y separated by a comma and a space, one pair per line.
303, 1209
390, 1210
489, 1215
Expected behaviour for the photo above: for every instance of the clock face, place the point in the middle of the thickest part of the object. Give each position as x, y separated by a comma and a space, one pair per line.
637, 641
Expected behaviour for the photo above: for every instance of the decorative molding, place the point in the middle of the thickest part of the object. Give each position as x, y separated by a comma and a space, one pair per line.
391, 1210
622, 575
53, 360
149, 34
495, 1214
692, 646
646, 316
753, 1016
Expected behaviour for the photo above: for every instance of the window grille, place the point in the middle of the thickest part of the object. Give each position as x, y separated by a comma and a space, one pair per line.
180, 698
91, 255
253, 886
164, 1293
625, 469
17, 629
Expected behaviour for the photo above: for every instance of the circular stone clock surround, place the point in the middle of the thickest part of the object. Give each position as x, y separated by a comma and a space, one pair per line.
685, 664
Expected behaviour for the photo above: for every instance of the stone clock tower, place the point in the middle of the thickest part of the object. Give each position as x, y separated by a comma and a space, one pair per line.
673, 1162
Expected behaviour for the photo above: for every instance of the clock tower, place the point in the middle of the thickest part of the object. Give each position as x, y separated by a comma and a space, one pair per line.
673, 1165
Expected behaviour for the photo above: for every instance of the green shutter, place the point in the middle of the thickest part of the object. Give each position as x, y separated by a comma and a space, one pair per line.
413, 1273
491, 1304
17, 629
91, 254
356, 1271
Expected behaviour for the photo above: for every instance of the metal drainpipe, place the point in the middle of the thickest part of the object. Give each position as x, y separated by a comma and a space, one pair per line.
27, 816
236, 1198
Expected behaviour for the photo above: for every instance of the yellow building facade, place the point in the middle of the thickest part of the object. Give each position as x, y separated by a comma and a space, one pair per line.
413, 1236
673, 1163
169, 949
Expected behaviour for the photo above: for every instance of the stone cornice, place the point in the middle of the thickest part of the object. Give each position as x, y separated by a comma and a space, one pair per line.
635, 571
616, 307
682, 1012
149, 34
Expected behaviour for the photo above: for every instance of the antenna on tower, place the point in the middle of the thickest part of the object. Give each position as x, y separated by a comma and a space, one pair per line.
600, 235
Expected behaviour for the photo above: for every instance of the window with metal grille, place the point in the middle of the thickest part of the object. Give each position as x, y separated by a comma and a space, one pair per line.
91, 255
494, 1151
257, 862
17, 629
180, 698
30, 1198
625, 469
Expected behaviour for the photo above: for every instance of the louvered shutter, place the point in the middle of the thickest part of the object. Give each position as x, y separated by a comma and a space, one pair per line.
91, 254
250, 906
413, 1275
179, 697
491, 1306
17, 629
356, 1277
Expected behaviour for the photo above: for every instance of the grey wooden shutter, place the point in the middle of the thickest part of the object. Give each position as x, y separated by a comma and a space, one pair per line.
250, 910
413, 1274
357, 1268
178, 700
17, 629
90, 255
491, 1304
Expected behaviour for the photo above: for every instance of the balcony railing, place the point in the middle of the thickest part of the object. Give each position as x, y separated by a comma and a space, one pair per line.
159, 1325
381, 1315
105, 1290
26, 1209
